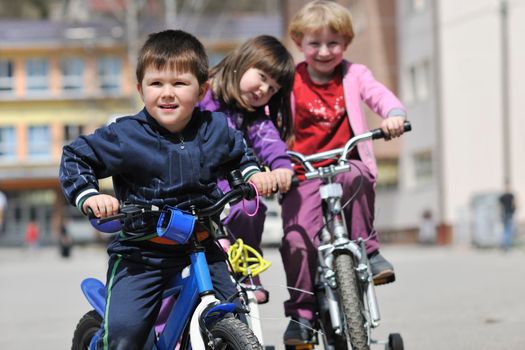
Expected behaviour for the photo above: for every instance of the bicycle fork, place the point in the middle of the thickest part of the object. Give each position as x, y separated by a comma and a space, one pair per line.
336, 241
364, 275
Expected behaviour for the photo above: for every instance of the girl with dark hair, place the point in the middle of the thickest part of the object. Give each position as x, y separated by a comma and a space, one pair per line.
252, 86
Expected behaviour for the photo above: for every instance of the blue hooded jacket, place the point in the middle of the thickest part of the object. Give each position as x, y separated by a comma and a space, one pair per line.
150, 165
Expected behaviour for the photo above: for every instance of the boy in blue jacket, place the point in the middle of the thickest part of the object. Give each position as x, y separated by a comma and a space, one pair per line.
170, 153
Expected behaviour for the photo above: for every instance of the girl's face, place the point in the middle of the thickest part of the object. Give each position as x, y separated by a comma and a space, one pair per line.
170, 96
323, 51
257, 87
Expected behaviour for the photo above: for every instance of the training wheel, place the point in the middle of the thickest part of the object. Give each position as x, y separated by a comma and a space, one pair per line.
395, 342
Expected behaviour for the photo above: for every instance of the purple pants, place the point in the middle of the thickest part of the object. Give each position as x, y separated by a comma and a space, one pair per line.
302, 219
248, 228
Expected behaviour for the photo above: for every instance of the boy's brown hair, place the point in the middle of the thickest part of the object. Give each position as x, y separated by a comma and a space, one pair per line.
320, 14
174, 49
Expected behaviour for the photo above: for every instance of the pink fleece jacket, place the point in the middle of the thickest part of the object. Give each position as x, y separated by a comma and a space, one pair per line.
360, 85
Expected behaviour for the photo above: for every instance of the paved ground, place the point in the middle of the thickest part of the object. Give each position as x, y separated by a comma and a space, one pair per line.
445, 298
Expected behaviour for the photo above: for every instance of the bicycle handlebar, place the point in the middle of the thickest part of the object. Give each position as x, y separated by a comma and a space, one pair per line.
112, 224
131, 210
241, 191
341, 153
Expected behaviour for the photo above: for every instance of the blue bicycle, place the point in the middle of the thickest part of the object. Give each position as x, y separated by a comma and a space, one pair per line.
191, 316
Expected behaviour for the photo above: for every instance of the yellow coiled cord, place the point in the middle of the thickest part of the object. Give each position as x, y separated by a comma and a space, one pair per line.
246, 260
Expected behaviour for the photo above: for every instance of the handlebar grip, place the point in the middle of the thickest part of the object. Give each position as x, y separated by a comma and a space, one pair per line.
90, 214
379, 134
106, 225
249, 192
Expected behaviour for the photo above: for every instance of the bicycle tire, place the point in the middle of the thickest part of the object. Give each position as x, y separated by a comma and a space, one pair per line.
330, 339
233, 334
352, 301
86, 328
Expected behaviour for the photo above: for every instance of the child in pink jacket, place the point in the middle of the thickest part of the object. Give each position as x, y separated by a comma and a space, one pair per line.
327, 112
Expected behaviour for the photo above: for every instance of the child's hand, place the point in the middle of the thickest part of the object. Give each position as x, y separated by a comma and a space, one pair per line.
265, 182
102, 205
393, 127
284, 178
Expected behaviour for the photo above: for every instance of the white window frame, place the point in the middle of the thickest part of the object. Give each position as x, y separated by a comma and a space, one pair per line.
39, 142
72, 74
110, 74
37, 75
8, 143
6, 76
72, 132
423, 167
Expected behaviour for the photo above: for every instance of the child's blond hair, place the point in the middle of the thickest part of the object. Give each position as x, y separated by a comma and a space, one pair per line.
320, 14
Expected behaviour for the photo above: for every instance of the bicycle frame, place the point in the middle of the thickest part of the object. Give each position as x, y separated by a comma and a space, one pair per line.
192, 283
195, 305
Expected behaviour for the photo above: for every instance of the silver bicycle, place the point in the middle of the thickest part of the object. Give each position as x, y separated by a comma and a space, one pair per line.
347, 308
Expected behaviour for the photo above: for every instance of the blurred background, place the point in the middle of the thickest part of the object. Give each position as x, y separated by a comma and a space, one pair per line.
67, 67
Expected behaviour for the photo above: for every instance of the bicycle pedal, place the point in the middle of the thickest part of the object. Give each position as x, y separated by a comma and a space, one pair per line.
306, 346
386, 279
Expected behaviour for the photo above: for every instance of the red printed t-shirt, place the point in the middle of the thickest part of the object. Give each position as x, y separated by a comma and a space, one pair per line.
320, 119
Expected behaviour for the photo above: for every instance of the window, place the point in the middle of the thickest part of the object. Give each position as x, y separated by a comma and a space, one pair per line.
39, 142
423, 166
416, 83
109, 74
7, 143
388, 173
421, 80
71, 132
417, 6
359, 15
6, 76
72, 71
407, 87
37, 70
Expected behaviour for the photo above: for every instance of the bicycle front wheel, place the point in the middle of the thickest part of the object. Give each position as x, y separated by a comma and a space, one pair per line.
232, 334
88, 325
352, 302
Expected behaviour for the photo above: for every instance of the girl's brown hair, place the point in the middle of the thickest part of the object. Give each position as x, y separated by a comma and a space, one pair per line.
320, 14
270, 56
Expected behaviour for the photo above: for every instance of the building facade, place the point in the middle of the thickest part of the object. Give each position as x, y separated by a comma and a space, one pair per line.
66, 76
57, 81
461, 78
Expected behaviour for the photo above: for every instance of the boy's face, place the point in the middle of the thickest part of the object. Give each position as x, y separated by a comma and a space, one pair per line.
257, 87
170, 96
323, 51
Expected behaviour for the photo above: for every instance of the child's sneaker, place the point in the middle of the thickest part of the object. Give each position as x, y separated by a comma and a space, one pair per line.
382, 270
261, 295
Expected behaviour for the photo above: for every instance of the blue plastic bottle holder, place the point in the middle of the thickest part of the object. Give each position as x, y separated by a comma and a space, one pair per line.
179, 227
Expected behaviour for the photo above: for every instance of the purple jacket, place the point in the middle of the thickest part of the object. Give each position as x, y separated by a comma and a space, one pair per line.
261, 135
